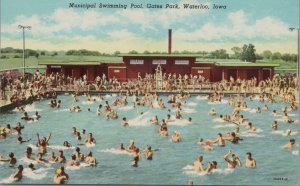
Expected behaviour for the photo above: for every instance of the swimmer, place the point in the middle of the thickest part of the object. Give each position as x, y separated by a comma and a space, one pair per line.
78, 155
136, 157
90, 159
36, 115
124, 122
275, 125
42, 143
211, 166
19, 128
3, 134
220, 141
73, 161
67, 144
131, 146
98, 112
121, 147
251, 128
198, 166
258, 110
286, 118
28, 153
235, 162
149, 152
31, 167
39, 159
18, 174
52, 157
212, 112
176, 137
178, 115
234, 139
90, 139
26, 117
290, 144
60, 157
288, 132
74, 131
20, 140
154, 120
60, 176
265, 107
190, 183
274, 112
10, 159
190, 119
250, 162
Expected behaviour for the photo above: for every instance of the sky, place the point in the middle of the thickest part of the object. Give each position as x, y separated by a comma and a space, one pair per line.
55, 26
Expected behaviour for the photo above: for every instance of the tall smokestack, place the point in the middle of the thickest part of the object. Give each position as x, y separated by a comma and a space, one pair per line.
170, 42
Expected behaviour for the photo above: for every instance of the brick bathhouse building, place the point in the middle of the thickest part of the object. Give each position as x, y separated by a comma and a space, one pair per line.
127, 66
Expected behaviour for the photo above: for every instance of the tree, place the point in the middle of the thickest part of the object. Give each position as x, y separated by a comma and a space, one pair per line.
43, 53
248, 53
116, 53
276, 55
237, 52
286, 57
220, 54
267, 54
146, 52
132, 52
37, 55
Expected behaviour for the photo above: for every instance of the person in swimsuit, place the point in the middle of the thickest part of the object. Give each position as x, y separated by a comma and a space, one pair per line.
234, 162
250, 162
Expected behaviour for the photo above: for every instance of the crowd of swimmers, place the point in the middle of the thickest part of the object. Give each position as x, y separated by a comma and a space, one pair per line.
283, 88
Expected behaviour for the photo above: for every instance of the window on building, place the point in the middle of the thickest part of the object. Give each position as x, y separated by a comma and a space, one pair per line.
136, 62
159, 62
181, 62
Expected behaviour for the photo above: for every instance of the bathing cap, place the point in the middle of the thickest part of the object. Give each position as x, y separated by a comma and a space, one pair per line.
58, 171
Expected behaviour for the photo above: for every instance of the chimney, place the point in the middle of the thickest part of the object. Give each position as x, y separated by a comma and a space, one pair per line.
170, 42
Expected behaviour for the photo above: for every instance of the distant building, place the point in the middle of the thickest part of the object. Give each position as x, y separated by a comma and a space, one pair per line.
127, 66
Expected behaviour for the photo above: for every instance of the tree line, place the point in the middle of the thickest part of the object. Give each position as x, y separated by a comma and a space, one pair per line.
244, 53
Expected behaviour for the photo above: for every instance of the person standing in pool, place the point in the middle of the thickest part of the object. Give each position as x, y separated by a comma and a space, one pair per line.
90, 139
250, 162
60, 158
18, 174
11, 159
220, 141
124, 122
211, 166
42, 143
198, 166
290, 144
60, 176
235, 162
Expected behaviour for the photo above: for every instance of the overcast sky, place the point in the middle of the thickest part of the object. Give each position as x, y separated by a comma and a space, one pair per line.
55, 26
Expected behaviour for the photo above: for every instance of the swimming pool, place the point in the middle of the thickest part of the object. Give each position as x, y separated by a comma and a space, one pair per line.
172, 163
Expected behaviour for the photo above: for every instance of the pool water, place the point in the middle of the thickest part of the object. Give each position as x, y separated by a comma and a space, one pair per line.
172, 163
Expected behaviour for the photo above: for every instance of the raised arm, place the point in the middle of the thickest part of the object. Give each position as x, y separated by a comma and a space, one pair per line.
38, 137
48, 137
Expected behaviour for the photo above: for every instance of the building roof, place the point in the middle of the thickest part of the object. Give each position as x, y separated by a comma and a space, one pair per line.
79, 60
159, 55
245, 64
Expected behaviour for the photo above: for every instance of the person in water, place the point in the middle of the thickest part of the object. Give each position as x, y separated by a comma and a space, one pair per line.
90, 159
18, 174
136, 157
121, 147
90, 139
124, 122
250, 162
220, 141
60, 157
10, 159
60, 176
290, 144
73, 161
176, 137
198, 166
43, 143
20, 140
211, 166
234, 162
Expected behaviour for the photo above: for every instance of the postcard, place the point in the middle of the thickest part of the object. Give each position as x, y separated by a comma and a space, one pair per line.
149, 92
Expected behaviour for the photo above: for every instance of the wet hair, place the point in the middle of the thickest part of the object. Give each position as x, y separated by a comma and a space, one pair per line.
73, 157
31, 166
20, 138
124, 119
220, 134
77, 149
214, 163
11, 155
292, 140
250, 124
29, 150
249, 154
20, 167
